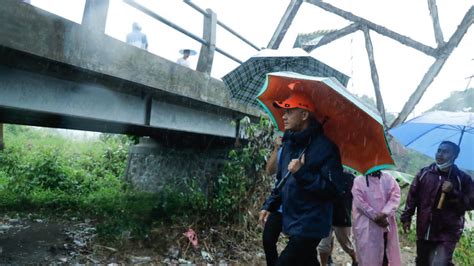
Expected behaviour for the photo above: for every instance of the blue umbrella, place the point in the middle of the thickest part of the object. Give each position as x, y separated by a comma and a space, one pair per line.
424, 134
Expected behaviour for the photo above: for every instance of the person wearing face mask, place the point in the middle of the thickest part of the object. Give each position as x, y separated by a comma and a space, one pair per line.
438, 225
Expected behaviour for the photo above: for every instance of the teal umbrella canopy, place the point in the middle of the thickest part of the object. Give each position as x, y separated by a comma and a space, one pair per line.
356, 129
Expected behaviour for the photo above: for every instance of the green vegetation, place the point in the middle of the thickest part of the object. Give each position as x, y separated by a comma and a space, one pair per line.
46, 172
43, 171
233, 196
457, 101
464, 253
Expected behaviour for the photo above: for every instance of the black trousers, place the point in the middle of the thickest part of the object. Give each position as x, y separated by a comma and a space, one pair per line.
271, 232
300, 251
438, 253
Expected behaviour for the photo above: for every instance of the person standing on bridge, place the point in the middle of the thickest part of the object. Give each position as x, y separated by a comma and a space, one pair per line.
137, 37
184, 61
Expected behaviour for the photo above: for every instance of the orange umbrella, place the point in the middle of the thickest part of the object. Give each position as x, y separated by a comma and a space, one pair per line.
356, 129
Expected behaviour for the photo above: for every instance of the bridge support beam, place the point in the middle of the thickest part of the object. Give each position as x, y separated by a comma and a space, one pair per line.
154, 164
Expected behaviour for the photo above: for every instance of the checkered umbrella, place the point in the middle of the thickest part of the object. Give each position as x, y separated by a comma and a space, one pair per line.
246, 81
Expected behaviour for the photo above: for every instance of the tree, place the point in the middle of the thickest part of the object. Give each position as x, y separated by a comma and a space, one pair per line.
458, 101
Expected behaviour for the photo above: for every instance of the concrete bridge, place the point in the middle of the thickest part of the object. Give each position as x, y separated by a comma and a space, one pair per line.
56, 73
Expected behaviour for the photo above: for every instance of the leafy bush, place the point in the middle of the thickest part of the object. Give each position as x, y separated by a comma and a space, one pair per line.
43, 171
236, 187
464, 252
40, 170
34, 160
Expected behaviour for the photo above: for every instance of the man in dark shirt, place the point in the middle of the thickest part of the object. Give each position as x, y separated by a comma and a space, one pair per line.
310, 159
438, 228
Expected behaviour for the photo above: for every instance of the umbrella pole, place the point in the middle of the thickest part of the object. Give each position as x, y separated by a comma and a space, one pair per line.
443, 195
462, 134
441, 200
285, 178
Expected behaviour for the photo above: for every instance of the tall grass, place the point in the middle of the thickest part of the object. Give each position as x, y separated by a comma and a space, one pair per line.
46, 172
40, 170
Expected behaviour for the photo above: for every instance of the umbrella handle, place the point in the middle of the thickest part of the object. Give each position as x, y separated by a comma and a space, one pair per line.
285, 178
441, 201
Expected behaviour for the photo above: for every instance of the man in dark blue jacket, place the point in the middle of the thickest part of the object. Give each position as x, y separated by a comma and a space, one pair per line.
312, 160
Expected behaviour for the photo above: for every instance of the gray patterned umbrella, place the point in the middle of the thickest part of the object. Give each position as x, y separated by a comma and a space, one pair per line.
246, 81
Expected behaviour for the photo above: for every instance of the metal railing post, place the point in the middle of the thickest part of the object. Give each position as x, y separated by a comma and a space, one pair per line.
206, 56
95, 15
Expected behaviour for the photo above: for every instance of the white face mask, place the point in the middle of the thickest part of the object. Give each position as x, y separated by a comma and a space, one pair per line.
445, 165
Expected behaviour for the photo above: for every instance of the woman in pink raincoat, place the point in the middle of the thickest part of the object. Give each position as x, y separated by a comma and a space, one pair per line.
376, 199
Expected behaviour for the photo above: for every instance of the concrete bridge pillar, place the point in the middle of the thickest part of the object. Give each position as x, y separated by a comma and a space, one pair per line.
206, 55
153, 164
95, 15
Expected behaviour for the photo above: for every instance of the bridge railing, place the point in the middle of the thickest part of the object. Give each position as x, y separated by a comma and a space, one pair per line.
208, 40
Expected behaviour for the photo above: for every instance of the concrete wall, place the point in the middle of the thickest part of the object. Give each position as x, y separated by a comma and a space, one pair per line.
151, 166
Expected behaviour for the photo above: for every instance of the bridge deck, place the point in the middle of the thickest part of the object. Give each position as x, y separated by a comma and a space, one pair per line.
52, 69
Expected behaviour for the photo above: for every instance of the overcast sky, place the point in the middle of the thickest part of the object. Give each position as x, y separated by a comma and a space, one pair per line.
400, 68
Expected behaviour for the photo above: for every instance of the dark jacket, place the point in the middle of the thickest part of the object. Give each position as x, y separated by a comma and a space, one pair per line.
343, 207
425, 191
307, 211
469, 198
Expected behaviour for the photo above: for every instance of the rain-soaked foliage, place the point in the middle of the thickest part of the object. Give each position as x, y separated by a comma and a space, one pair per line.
40, 170
235, 194
242, 181
44, 171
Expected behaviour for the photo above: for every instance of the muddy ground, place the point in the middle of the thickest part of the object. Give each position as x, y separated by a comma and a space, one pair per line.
29, 240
